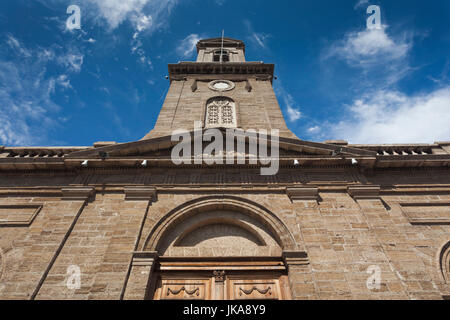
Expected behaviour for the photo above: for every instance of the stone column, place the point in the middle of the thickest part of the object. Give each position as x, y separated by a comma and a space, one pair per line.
140, 276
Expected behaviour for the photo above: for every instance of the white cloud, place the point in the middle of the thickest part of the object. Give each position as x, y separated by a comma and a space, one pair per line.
259, 39
24, 99
14, 44
291, 110
314, 130
187, 45
380, 113
293, 113
369, 48
63, 81
143, 14
361, 3
72, 61
143, 22
393, 117
27, 109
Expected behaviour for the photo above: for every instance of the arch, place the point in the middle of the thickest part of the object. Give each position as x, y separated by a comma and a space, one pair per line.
225, 221
276, 227
444, 262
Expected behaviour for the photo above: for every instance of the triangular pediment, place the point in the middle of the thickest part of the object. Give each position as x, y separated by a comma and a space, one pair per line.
162, 147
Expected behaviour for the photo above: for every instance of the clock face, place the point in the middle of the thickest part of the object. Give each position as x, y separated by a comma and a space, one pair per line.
221, 85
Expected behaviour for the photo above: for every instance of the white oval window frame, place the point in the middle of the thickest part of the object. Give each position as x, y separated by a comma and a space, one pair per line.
231, 85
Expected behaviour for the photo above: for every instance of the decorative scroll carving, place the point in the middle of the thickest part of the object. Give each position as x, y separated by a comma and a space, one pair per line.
196, 291
249, 292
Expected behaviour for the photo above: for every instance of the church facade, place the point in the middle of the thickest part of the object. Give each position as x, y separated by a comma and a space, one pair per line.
124, 221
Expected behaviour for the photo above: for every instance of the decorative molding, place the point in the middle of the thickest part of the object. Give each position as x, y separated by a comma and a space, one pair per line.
427, 213
230, 68
140, 193
145, 258
230, 85
260, 291
219, 275
303, 194
196, 291
295, 258
364, 192
35, 208
77, 193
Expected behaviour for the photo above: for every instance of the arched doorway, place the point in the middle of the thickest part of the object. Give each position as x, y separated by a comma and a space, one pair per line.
219, 250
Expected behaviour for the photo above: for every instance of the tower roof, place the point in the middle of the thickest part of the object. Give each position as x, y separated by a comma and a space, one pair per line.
217, 42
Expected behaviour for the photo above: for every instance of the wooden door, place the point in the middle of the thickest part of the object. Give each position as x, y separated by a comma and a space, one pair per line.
221, 285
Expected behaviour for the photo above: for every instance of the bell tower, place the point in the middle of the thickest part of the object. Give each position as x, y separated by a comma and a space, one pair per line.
221, 90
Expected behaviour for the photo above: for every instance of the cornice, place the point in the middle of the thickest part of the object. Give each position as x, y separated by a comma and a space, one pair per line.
209, 68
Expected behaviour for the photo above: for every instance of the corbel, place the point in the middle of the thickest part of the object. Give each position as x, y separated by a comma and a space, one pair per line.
364, 192
77, 193
303, 194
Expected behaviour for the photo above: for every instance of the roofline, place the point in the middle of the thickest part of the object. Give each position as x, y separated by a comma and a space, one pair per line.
228, 42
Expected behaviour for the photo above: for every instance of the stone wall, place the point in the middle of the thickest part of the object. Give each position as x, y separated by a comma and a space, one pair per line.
345, 231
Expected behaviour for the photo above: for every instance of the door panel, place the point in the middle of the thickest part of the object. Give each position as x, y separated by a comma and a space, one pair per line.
184, 289
210, 286
253, 290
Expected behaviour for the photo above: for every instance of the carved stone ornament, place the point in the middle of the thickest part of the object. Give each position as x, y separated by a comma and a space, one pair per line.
219, 276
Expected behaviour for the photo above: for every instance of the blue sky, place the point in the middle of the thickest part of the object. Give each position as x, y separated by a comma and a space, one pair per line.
336, 78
